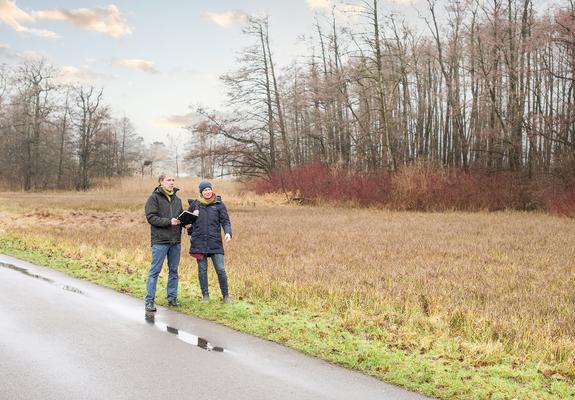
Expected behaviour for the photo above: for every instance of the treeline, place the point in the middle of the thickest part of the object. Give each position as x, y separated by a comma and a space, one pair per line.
59, 136
488, 86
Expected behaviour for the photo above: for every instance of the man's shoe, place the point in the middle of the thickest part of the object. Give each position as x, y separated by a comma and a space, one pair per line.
227, 300
205, 298
173, 303
150, 307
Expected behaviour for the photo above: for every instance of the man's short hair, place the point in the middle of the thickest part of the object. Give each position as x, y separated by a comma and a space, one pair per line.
163, 176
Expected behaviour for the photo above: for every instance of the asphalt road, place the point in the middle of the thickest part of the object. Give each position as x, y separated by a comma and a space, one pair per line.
62, 338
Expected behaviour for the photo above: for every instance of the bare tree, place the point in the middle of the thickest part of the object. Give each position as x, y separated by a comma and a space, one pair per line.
34, 86
90, 119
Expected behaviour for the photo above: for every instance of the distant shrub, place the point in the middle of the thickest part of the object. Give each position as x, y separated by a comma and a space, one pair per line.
317, 181
562, 201
426, 188
416, 187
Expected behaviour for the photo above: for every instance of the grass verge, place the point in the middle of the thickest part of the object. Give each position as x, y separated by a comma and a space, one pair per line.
443, 368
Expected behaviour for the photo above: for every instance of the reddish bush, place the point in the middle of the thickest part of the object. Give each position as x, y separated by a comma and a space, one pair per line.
317, 181
562, 201
416, 187
425, 188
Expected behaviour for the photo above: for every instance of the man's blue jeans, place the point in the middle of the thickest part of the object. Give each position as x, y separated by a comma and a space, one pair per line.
218, 261
159, 253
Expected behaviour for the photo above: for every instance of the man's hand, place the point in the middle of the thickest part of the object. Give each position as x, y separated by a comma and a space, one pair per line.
228, 237
175, 221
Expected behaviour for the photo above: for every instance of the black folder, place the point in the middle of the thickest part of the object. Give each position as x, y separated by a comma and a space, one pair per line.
187, 217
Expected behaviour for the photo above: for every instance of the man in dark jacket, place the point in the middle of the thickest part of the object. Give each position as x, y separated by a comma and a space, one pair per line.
162, 210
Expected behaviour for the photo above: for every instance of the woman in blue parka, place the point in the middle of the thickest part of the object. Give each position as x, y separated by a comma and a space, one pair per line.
206, 238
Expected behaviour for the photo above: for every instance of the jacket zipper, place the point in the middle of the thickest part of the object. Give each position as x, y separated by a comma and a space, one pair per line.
171, 216
206, 227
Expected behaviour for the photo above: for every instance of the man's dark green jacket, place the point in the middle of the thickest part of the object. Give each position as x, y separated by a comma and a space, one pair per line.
159, 213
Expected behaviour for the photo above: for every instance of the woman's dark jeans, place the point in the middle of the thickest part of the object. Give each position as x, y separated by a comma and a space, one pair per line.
218, 261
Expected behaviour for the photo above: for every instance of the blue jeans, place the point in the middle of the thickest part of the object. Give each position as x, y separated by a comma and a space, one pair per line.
218, 261
159, 253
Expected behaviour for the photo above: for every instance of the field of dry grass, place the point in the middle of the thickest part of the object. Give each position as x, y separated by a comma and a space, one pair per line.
498, 286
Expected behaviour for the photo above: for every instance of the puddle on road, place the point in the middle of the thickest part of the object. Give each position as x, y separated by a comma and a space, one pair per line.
182, 335
72, 289
25, 272
150, 316
42, 278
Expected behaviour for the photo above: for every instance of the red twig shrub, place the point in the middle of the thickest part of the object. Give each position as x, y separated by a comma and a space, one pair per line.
416, 187
431, 189
317, 181
562, 201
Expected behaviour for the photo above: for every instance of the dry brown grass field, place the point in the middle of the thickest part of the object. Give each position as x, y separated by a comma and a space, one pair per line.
498, 285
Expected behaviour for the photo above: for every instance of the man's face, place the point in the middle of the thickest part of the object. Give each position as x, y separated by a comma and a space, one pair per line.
168, 183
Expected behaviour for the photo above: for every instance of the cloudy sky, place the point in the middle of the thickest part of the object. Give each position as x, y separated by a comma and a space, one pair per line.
157, 60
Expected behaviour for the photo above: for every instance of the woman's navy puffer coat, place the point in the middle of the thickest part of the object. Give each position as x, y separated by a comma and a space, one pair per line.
206, 237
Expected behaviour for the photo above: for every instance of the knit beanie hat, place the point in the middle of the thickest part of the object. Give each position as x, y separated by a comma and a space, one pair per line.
203, 185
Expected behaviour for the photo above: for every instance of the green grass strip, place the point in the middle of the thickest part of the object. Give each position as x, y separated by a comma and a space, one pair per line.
441, 371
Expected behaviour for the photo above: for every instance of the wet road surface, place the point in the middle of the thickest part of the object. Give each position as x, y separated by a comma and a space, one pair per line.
62, 338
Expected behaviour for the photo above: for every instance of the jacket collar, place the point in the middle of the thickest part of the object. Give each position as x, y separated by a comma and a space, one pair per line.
158, 190
217, 200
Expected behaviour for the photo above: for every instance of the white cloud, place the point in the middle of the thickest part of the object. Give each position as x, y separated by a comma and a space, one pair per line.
351, 8
71, 74
321, 4
15, 18
11, 56
403, 2
342, 8
6, 51
107, 20
12, 15
65, 74
178, 121
135, 63
228, 18
29, 55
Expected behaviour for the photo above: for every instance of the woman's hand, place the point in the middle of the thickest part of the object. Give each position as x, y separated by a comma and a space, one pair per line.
228, 237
